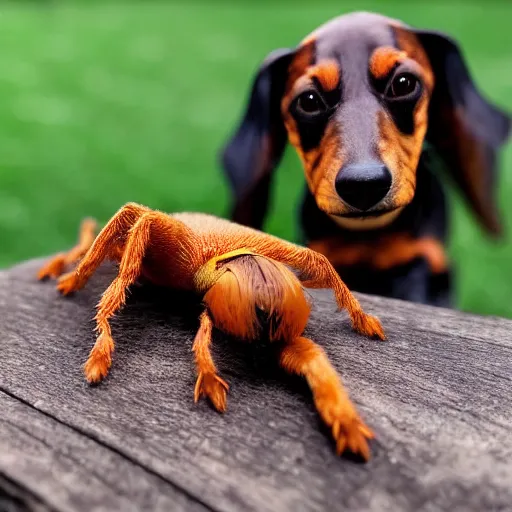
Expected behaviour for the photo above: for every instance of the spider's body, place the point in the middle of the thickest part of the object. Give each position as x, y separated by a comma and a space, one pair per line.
248, 289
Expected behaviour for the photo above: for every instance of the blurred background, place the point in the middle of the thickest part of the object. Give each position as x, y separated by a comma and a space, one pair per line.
104, 102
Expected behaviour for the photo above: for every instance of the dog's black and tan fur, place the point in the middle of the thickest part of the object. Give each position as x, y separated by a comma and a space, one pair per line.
365, 100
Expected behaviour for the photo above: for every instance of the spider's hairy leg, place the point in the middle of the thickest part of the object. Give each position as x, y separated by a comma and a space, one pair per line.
208, 382
321, 274
107, 244
317, 272
303, 357
100, 358
55, 267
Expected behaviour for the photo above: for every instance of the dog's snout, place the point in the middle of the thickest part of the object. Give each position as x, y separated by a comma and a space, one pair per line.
363, 185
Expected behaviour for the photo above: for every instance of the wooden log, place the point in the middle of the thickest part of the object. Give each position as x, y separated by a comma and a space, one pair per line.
438, 395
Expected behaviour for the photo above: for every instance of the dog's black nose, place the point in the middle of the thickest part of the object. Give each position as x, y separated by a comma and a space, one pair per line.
363, 185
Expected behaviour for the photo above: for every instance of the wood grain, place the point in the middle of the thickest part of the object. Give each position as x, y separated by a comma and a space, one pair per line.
438, 395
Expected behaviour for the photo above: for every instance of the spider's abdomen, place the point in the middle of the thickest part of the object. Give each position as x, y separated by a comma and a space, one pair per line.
257, 296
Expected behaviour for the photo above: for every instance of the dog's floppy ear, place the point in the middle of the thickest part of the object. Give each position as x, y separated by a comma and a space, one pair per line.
465, 128
257, 145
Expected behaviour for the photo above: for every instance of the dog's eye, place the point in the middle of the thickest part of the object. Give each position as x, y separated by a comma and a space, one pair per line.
310, 103
402, 85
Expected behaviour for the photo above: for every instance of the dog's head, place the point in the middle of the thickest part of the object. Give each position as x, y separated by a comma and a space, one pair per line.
358, 99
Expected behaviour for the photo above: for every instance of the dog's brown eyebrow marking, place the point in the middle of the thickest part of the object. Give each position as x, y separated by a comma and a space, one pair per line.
384, 59
327, 73
409, 43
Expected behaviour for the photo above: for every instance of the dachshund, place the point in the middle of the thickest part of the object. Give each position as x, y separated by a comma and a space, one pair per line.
251, 284
374, 108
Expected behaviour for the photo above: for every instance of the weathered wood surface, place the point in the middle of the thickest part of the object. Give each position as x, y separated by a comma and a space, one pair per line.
438, 395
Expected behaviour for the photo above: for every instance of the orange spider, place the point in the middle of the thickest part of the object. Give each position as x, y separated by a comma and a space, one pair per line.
239, 272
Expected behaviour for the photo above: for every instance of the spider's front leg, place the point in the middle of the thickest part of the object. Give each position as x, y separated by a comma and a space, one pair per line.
100, 357
55, 267
151, 228
108, 244
317, 272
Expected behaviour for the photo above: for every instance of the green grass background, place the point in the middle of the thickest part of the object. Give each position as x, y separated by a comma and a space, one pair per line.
107, 102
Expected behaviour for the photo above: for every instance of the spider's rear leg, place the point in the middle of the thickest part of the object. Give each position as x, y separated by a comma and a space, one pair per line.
317, 272
56, 266
208, 382
108, 244
302, 356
